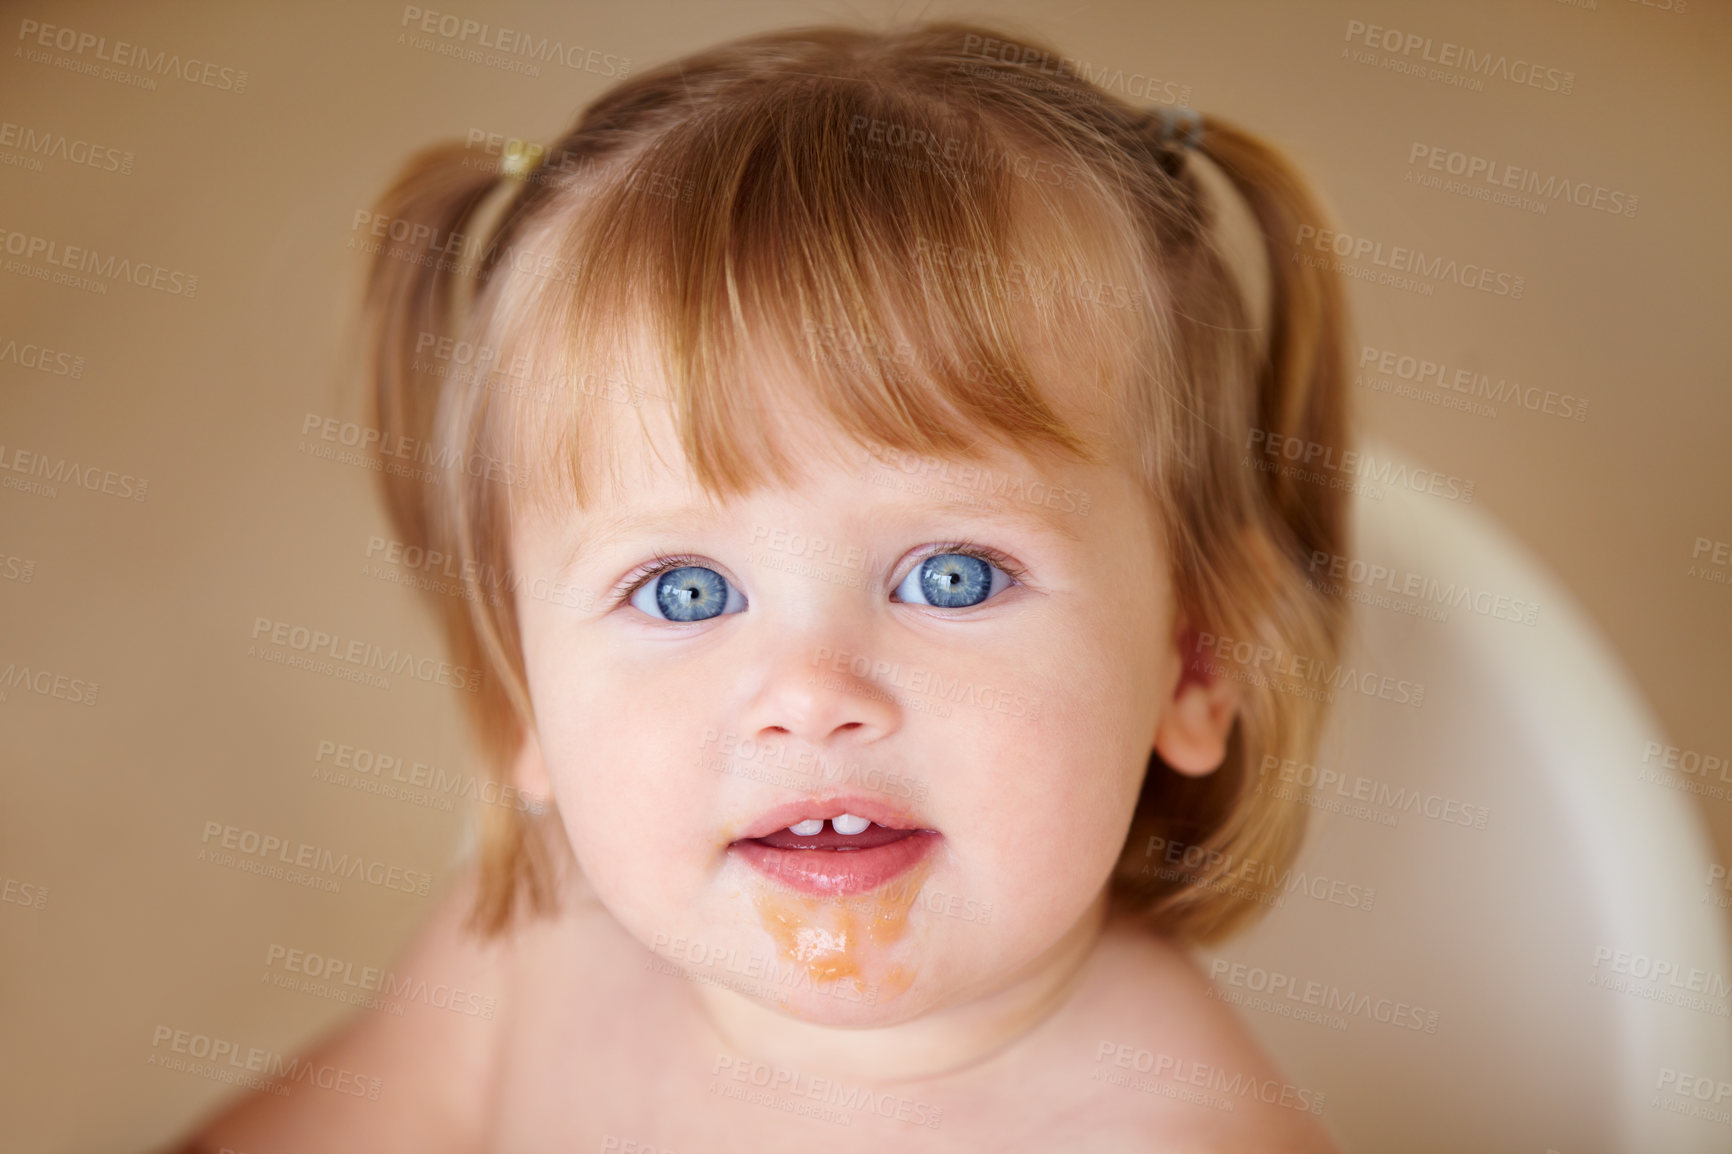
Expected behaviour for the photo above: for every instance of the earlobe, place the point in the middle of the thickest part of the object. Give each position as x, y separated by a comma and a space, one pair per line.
529, 771
1194, 727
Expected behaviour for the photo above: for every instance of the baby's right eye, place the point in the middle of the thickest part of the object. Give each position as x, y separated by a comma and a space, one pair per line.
687, 593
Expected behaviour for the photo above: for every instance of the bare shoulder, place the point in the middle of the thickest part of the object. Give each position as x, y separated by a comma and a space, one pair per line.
1178, 1064
433, 1063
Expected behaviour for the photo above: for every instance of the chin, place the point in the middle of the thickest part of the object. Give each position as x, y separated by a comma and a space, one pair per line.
846, 1006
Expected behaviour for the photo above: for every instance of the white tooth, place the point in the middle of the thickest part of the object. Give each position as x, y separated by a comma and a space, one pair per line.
847, 823
808, 827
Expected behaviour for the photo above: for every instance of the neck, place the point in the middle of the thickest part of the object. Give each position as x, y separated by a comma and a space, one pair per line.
945, 1041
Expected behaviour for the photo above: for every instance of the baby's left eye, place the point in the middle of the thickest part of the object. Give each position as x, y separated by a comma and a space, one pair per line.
952, 581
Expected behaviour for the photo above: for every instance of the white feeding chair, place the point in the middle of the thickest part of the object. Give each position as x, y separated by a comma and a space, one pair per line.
1572, 949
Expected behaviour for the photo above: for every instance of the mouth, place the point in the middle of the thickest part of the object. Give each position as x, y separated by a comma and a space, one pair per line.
835, 848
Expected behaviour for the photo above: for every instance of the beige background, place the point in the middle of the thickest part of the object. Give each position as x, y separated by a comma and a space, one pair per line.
154, 600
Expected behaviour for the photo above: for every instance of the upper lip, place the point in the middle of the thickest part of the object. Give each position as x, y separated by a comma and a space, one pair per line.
873, 810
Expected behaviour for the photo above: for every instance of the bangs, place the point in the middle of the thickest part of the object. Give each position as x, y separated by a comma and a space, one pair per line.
904, 271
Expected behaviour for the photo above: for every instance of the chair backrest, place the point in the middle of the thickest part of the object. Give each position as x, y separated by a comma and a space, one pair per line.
1505, 931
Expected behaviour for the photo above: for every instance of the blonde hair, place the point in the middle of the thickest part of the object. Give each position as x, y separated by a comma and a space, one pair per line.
912, 225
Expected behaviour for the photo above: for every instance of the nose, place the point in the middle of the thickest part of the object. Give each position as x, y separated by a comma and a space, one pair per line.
823, 696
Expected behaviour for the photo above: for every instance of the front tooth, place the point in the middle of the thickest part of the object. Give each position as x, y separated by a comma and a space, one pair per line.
847, 823
808, 827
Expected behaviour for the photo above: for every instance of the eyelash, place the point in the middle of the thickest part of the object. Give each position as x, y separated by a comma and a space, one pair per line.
661, 562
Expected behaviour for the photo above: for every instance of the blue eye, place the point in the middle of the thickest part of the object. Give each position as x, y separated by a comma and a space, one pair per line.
687, 593
952, 581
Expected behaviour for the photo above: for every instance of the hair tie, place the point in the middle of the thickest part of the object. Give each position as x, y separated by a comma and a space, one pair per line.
1184, 123
520, 160
517, 164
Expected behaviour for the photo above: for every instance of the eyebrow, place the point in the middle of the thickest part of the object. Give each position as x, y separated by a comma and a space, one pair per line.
1058, 522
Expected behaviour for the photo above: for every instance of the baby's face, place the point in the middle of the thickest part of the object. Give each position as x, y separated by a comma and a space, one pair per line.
866, 747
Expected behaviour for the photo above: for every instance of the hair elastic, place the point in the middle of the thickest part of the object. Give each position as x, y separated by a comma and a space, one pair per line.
520, 160
516, 166
1184, 123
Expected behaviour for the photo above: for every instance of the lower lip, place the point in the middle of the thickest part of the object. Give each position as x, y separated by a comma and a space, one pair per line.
838, 872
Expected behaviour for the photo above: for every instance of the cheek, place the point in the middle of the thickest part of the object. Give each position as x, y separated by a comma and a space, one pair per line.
1055, 792
1061, 800
627, 765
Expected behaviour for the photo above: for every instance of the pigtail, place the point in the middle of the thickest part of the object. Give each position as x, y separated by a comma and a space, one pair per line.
1242, 559
1302, 389
409, 293
430, 258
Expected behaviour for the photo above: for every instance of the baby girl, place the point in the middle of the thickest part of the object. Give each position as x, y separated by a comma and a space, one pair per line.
877, 403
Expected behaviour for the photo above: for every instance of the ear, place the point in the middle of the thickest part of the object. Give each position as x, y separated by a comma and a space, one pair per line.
529, 771
1193, 730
